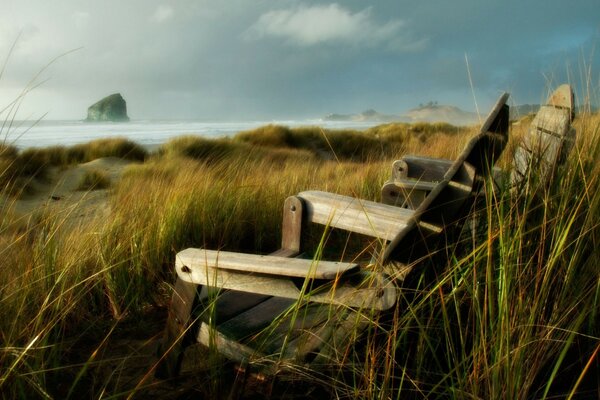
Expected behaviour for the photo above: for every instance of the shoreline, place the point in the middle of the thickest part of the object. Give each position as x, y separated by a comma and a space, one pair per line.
145, 132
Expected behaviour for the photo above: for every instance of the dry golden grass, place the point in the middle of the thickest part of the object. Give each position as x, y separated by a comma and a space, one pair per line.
473, 333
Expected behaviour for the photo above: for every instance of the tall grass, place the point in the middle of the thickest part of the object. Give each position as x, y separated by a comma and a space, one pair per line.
20, 169
511, 310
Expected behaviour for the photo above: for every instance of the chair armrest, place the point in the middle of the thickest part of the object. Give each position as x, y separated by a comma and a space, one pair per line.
420, 168
246, 273
253, 263
355, 215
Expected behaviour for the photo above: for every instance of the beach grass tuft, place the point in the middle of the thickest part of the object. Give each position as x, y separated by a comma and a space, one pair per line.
94, 180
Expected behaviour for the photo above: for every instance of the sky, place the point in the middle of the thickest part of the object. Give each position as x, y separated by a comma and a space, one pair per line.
287, 59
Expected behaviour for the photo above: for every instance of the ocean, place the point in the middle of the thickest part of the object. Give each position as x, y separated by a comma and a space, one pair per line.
149, 133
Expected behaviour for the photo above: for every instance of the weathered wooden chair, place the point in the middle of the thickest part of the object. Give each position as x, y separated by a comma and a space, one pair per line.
546, 144
272, 311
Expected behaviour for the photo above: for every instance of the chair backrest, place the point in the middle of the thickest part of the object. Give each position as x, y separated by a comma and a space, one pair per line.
549, 139
444, 205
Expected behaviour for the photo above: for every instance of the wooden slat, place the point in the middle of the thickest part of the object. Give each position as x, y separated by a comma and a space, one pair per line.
375, 292
543, 144
552, 120
563, 97
172, 346
270, 265
253, 320
291, 229
426, 168
229, 348
548, 140
301, 321
393, 195
230, 303
354, 215
408, 185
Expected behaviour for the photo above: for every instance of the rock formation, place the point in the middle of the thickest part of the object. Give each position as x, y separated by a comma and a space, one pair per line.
111, 108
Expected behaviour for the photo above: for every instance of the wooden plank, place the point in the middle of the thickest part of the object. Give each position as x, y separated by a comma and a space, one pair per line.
542, 144
496, 121
426, 168
408, 185
378, 295
255, 319
173, 343
547, 141
284, 253
552, 120
302, 320
563, 97
355, 215
269, 265
395, 196
291, 229
231, 349
229, 303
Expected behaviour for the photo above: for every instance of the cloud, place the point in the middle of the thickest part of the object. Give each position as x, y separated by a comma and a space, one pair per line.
308, 26
162, 14
81, 18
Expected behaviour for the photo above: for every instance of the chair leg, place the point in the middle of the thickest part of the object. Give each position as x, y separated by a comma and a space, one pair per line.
175, 338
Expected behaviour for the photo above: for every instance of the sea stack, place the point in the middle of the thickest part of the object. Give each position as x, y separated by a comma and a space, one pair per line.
111, 108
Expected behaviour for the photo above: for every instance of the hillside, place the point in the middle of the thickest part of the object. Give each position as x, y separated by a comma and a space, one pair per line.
441, 113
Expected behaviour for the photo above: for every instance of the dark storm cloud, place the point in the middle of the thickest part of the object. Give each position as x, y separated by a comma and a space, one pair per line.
278, 59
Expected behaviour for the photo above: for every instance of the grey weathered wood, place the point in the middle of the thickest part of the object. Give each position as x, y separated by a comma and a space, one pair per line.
403, 196
253, 263
553, 120
415, 184
291, 229
301, 321
211, 337
226, 304
355, 215
178, 323
548, 140
379, 296
399, 170
425, 168
257, 318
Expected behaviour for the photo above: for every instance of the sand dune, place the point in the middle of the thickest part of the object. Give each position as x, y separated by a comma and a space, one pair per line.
59, 191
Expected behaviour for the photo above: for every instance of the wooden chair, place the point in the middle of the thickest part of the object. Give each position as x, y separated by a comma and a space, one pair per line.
546, 144
275, 311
